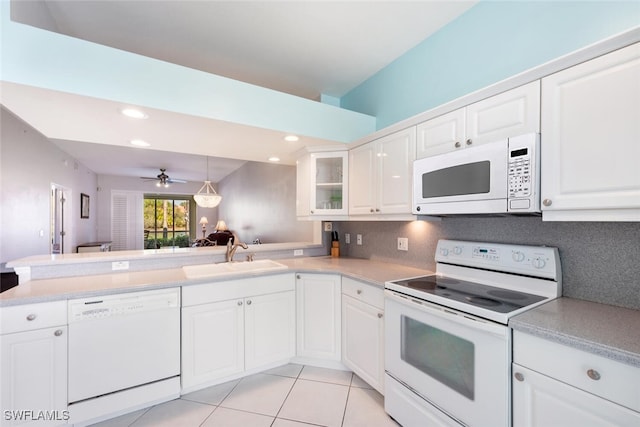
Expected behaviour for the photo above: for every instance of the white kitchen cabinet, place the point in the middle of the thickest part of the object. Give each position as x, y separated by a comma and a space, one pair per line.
33, 364
322, 188
235, 326
590, 134
511, 113
363, 331
557, 385
381, 176
318, 316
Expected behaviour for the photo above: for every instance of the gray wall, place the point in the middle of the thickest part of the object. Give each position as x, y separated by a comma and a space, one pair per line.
600, 260
259, 201
29, 164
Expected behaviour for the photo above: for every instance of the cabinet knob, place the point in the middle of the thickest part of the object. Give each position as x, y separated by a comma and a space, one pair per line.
359, 291
593, 374
239, 303
248, 302
519, 376
312, 212
547, 202
58, 332
31, 317
371, 210
377, 210
457, 144
469, 142
297, 276
380, 315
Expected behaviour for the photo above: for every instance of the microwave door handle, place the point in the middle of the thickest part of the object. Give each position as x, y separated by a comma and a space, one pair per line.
448, 315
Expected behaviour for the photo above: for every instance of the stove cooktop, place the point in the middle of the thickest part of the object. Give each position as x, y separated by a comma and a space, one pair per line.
491, 298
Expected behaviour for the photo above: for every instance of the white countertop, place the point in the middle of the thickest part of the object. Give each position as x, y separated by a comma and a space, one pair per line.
33, 291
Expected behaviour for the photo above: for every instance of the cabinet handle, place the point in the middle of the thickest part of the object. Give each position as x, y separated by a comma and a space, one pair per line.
31, 317
593, 374
469, 142
239, 303
297, 276
58, 332
359, 291
547, 202
457, 144
311, 211
371, 210
519, 376
248, 302
377, 210
380, 315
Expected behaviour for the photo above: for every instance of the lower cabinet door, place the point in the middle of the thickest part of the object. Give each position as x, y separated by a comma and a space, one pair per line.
541, 401
33, 372
363, 341
212, 341
270, 328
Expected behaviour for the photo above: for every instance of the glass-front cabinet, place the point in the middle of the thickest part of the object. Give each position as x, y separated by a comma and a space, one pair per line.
322, 184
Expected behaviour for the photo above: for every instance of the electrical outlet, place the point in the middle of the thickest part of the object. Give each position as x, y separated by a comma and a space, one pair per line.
347, 238
403, 243
358, 239
298, 252
119, 265
328, 226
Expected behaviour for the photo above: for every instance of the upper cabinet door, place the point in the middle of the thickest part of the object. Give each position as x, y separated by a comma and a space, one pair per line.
508, 114
396, 154
441, 134
362, 181
328, 192
591, 140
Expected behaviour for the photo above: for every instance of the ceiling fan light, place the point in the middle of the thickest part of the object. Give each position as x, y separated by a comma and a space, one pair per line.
207, 196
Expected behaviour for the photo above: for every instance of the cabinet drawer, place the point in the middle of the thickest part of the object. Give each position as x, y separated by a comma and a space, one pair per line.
612, 380
29, 317
361, 291
240, 288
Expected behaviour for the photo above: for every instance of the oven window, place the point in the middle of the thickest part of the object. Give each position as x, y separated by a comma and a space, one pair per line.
472, 178
444, 357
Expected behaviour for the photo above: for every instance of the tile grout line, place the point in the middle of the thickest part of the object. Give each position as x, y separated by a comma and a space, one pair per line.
288, 394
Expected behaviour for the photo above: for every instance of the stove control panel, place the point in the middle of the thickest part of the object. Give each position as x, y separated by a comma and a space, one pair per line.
539, 261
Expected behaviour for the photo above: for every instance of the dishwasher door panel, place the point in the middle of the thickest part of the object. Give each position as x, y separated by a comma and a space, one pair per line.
116, 353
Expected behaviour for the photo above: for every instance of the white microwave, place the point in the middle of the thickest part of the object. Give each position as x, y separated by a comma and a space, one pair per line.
497, 177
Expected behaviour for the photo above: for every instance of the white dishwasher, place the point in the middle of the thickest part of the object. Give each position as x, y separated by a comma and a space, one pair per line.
120, 342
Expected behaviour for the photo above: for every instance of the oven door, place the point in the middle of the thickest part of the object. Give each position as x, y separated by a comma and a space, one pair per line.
470, 180
458, 363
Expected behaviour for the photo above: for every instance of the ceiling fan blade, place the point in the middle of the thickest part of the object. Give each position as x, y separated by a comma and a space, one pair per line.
176, 181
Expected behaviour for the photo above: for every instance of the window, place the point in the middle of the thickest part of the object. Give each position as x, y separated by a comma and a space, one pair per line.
169, 220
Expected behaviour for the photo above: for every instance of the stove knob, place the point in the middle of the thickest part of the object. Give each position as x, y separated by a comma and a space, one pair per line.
457, 250
444, 251
518, 256
539, 262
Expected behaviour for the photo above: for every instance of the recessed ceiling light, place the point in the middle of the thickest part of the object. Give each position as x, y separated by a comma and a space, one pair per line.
134, 113
291, 138
139, 143
274, 159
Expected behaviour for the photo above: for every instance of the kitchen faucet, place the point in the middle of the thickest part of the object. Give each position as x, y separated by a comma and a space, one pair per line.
232, 246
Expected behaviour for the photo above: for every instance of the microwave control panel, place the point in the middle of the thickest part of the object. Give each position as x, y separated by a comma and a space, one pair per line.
520, 172
523, 183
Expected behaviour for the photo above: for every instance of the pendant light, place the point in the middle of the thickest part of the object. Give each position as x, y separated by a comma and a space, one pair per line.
207, 196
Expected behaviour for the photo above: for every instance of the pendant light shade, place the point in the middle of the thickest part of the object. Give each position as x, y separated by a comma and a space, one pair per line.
207, 196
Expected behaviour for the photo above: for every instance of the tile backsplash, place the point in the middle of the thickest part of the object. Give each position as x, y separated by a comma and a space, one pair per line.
600, 260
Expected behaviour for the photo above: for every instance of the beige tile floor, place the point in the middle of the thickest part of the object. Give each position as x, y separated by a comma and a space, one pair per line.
288, 396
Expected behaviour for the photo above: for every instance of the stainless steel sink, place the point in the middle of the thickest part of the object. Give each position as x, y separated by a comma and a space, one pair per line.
212, 270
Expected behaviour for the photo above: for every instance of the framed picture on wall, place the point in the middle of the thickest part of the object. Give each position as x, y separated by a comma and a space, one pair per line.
84, 205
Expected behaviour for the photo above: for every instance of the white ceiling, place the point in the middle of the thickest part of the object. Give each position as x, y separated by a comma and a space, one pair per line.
304, 48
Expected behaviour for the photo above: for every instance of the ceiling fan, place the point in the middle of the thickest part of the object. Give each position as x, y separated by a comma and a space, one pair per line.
163, 180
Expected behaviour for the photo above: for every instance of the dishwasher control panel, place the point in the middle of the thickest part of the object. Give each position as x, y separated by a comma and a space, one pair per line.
122, 304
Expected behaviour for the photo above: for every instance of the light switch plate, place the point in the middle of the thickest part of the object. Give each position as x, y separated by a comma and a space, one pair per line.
403, 243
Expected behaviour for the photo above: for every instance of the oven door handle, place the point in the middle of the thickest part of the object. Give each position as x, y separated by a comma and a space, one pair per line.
464, 319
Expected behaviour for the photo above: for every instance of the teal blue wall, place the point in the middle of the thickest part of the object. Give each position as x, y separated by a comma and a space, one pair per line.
490, 42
